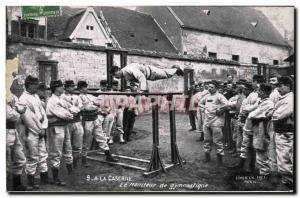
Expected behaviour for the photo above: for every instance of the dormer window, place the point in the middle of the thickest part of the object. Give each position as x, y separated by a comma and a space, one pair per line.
90, 27
207, 12
254, 24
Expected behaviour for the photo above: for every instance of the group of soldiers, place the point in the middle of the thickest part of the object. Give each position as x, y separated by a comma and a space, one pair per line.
41, 130
257, 117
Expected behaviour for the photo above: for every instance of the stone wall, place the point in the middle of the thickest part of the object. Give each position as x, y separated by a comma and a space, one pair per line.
83, 62
226, 46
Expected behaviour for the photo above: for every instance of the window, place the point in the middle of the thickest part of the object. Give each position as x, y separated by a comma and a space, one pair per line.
84, 40
275, 62
212, 54
236, 58
28, 28
254, 60
90, 27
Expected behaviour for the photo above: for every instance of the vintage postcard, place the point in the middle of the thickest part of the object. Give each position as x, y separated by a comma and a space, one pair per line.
192, 99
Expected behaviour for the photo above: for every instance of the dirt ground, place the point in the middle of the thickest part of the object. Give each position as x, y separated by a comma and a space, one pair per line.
195, 176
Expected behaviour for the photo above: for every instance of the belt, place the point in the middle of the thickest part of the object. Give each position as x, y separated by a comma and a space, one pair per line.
10, 124
281, 127
55, 121
75, 119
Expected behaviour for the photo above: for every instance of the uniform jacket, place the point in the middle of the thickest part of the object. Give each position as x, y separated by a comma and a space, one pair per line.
57, 107
35, 117
212, 103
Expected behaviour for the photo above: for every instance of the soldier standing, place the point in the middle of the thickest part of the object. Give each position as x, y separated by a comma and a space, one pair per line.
14, 147
258, 122
59, 137
213, 122
283, 122
36, 123
75, 125
93, 112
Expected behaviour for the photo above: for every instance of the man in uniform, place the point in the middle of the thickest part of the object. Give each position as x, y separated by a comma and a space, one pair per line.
213, 122
140, 73
283, 122
14, 148
59, 116
258, 123
93, 114
75, 125
248, 105
274, 96
36, 123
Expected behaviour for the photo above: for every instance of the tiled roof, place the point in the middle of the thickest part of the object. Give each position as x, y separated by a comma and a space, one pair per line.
241, 22
135, 30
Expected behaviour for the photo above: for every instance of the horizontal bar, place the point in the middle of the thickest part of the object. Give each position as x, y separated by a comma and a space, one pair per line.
93, 92
118, 163
126, 157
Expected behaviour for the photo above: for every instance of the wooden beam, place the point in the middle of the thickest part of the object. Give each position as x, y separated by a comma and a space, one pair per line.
126, 157
117, 163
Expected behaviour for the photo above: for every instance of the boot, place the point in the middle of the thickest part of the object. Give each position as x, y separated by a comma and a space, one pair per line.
31, 184
111, 141
206, 158
84, 162
109, 157
69, 168
219, 160
122, 141
201, 139
17, 185
44, 178
56, 180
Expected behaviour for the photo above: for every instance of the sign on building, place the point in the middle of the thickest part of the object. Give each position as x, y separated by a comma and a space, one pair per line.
40, 11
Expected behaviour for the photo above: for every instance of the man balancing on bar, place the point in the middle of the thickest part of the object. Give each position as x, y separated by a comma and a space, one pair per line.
140, 73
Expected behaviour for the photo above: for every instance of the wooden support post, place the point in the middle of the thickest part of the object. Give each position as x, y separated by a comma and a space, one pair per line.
155, 162
109, 64
175, 157
123, 64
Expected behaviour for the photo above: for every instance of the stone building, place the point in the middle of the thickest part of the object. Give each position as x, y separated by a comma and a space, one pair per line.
242, 34
83, 43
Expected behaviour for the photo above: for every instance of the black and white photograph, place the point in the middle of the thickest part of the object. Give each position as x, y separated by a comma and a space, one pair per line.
150, 99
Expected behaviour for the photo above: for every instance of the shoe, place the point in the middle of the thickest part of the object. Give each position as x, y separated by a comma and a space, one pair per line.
44, 178
69, 168
56, 180
122, 141
109, 158
31, 183
84, 162
201, 139
111, 141
17, 184
179, 71
192, 129
206, 158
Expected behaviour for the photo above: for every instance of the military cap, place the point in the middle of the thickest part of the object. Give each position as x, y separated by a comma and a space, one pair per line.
114, 69
81, 84
214, 82
69, 83
286, 80
55, 83
30, 80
